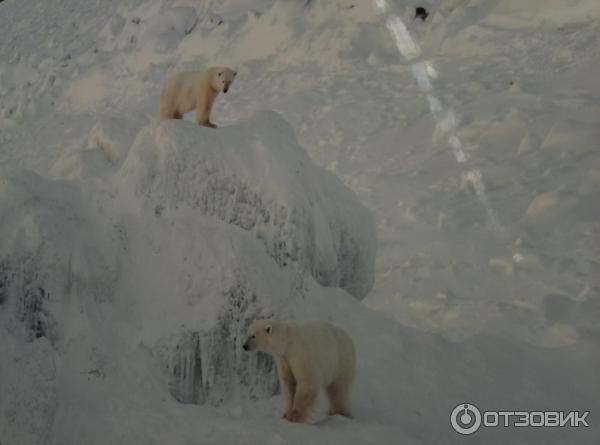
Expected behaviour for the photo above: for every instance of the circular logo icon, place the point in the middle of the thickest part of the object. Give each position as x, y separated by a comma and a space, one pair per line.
465, 418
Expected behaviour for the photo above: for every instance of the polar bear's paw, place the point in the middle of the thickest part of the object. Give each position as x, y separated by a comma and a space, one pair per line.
295, 416
333, 412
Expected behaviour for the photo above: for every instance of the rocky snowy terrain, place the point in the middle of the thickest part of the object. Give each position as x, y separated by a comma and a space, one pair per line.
436, 193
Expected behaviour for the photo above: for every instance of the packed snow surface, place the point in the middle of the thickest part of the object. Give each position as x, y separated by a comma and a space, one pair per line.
431, 186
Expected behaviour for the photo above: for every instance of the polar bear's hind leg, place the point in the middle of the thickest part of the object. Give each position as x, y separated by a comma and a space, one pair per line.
339, 396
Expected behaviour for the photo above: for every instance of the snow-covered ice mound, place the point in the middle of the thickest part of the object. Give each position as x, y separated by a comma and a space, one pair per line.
255, 176
172, 245
240, 217
54, 273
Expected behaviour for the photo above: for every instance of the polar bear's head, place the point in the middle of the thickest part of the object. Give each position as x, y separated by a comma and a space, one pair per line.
264, 335
222, 78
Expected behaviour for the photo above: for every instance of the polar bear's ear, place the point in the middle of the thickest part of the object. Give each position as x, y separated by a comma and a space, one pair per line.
268, 329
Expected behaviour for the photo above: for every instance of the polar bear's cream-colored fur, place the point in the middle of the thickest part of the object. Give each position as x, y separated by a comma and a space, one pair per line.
197, 90
310, 356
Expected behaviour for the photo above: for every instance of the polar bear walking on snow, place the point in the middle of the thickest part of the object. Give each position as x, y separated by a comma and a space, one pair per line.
197, 90
310, 356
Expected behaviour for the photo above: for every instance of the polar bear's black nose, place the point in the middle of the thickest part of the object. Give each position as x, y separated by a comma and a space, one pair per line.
245, 346
225, 89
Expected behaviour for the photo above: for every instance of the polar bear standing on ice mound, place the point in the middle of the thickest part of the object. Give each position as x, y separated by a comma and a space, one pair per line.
197, 90
310, 355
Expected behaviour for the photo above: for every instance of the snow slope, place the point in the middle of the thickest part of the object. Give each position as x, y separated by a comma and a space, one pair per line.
133, 253
184, 241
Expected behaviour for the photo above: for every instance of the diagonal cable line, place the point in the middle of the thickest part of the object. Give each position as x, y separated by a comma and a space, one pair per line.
445, 118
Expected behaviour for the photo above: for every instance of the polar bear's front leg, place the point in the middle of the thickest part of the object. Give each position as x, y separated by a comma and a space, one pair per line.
304, 399
287, 382
308, 385
203, 107
202, 117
